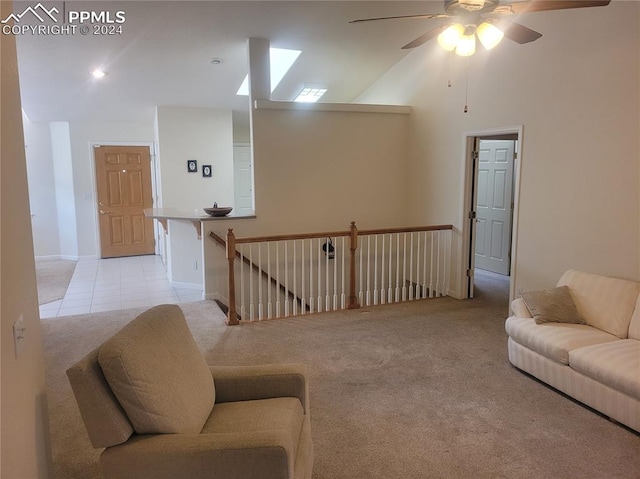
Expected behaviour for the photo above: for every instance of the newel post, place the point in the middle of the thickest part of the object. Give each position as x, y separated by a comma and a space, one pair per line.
353, 246
232, 315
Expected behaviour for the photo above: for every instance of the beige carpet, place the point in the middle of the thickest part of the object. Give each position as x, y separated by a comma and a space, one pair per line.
420, 390
53, 277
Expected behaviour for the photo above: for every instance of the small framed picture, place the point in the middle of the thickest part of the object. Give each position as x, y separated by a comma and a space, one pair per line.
206, 171
192, 166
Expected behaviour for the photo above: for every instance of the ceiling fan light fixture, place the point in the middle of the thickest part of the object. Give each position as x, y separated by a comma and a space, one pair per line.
466, 45
489, 35
450, 37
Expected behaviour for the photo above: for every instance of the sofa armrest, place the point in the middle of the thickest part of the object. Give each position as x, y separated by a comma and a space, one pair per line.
258, 455
244, 383
519, 308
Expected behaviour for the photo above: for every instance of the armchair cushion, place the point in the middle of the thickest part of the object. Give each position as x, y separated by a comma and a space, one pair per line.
263, 439
158, 374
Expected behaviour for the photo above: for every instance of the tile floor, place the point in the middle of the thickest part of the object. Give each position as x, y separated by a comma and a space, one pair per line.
118, 283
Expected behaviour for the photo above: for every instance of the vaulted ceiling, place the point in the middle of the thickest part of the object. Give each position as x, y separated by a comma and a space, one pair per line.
163, 55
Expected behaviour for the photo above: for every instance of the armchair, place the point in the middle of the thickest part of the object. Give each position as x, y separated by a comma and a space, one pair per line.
147, 396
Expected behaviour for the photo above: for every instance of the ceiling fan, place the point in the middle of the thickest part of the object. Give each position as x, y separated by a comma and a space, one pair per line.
486, 19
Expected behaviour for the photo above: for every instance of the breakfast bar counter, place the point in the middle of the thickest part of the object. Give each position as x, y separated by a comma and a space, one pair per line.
194, 216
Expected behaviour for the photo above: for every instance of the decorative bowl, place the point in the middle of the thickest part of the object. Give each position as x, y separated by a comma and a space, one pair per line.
218, 211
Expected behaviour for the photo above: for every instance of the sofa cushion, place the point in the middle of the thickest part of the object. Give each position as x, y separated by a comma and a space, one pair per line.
605, 303
158, 374
616, 364
554, 340
552, 306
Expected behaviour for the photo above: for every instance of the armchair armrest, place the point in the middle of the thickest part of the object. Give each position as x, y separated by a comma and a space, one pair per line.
244, 383
519, 308
258, 455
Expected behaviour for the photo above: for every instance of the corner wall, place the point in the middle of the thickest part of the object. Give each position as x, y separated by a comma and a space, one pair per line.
24, 419
576, 92
204, 135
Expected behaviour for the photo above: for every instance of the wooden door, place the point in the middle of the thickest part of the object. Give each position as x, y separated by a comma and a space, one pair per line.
123, 175
494, 205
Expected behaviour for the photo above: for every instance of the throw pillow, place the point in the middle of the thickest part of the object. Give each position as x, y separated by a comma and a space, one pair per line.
552, 306
158, 374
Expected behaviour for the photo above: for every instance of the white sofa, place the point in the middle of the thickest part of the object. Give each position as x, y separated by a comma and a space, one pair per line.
597, 363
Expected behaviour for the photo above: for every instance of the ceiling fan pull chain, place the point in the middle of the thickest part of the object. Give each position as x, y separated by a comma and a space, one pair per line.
466, 93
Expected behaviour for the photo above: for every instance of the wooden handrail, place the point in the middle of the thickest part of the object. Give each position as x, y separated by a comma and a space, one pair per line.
410, 229
254, 267
333, 234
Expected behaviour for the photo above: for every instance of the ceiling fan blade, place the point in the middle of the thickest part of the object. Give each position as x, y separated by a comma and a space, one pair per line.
518, 33
422, 39
401, 17
544, 5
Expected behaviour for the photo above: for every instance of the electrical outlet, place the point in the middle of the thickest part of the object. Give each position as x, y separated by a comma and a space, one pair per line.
19, 330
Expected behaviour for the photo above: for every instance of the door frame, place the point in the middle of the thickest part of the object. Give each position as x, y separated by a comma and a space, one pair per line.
470, 188
94, 183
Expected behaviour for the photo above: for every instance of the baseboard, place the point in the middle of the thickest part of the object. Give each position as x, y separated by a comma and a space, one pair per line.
48, 257
181, 285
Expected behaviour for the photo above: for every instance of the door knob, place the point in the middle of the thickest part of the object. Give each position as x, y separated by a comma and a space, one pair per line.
102, 212
100, 203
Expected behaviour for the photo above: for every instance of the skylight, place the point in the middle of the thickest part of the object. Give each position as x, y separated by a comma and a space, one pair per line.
310, 95
281, 61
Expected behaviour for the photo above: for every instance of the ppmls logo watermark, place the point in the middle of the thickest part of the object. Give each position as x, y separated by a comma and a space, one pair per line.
39, 20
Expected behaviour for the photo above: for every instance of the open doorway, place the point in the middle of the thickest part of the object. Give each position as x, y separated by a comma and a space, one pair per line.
491, 197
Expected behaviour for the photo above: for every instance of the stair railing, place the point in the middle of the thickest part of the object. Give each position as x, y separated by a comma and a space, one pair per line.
290, 275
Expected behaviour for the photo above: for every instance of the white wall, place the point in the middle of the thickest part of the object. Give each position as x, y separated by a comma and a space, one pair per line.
204, 135
23, 419
576, 92
42, 189
64, 189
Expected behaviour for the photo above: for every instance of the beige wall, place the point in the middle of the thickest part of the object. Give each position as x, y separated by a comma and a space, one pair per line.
576, 93
24, 437
318, 171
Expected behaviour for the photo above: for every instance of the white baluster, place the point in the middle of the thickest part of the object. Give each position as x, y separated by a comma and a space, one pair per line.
343, 296
311, 290
382, 263
269, 282
251, 278
278, 288
397, 267
361, 280
390, 290
260, 281
375, 270
335, 276
368, 270
242, 308
319, 301
438, 284
304, 280
431, 267
411, 281
288, 286
418, 288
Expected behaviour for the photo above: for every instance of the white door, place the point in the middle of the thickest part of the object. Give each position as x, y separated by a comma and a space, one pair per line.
494, 205
243, 180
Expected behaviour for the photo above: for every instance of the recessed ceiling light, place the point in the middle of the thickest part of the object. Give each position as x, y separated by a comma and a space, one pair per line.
98, 73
